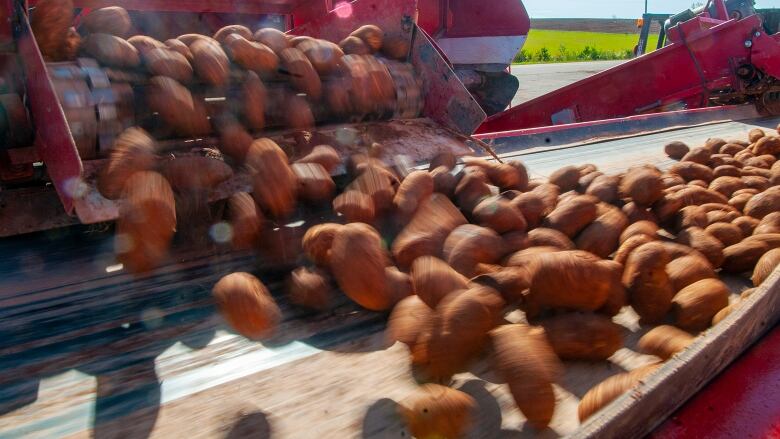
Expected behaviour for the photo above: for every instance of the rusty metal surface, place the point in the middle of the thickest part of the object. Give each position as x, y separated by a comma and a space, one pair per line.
88, 350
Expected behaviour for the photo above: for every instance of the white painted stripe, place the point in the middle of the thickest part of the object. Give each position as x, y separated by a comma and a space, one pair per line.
482, 50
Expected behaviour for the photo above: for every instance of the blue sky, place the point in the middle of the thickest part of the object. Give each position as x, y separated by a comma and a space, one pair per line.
610, 8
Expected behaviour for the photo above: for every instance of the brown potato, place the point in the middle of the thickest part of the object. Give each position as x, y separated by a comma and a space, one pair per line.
695, 305
764, 203
537, 204
631, 244
324, 155
700, 155
649, 287
726, 171
177, 107
769, 224
549, 237
602, 236
664, 341
757, 182
165, 62
742, 257
112, 20
578, 336
210, 62
273, 38
765, 266
740, 201
250, 55
470, 191
572, 215
426, 232
246, 221
111, 50
714, 143
357, 261
586, 180
144, 43
434, 279
523, 258
696, 196
317, 242
444, 181
510, 282
636, 213
438, 411
499, 214
524, 359
172, 44
310, 288
414, 189
195, 173
458, 334
767, 145
273, 180
233, 29
686, 270
355, 207
302, 74
246, 305
610, 389
354, 46
676, 150
708, 245
323, 55
314, 183
617, 297
691, 171
50, 22
746, 224
644, 227
605, 188
188, 39
371, 35
565, 178
727, 234
642, 185
574, 280
134, 150
408, 320
469, 245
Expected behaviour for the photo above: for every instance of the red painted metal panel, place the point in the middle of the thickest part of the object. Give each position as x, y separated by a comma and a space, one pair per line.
475, 18
432, 16
678, 76
53, 137
742, 402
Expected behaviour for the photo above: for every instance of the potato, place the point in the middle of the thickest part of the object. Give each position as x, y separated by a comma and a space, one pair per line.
134, 150
676, 150
610, 389
746, 224
642, 185
510, 282
765, 266
246, 305
649, 287
636, 213
700, 155
576, 336
235, 29
172, 44
435, 411
396, 47
298, 114
414, 189
566, 178
696, 196
458, 334
273, 181
234, 140
188, 39
574, 280
740, 201
605, 188
749, 190
726, 171
113, 20
314, 183
253, 105
165, 62
617, 297
355, 207
686, 270
767, 145
742, 257
717, 160
323, 55
731, 148
302, 74
195, 173
764, 203
648, 228
697, 238
691, 171
586, 180
671, 180
524, 359
371, 35
602, 236
714, 143
399, 284
210, 62
757, 182
664, 341
631, 244
256, 57
354, 46
357, 262
499, 214
469, 245
537, 204
549, 237
273, 38
523, 258
410, 317
769, 224
246, 221
317, 242
727, 234
111, 50
50, 22
177, 107
434, 279
310, 288
758, 162
510, 175
379, 184
470, 191
695, 305
426, 232
755, 134
444, 181
324, 155
727, 185
572, 215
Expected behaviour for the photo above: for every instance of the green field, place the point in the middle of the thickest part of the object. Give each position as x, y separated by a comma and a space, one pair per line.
564, 46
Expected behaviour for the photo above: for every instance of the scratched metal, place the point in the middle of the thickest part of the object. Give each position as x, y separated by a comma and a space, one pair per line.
82, 346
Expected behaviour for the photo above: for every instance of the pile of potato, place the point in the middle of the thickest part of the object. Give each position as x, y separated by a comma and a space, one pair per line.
316, 79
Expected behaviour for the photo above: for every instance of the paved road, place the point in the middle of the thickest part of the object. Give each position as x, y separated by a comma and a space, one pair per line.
539, 79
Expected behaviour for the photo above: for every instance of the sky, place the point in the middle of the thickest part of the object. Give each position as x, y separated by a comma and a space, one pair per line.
610, 8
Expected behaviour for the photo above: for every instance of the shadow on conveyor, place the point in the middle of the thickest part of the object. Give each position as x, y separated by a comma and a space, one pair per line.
60, 310
253, 425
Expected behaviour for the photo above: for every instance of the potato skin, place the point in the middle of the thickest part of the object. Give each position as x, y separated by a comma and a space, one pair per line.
177, 107
742, 257
250, 55
273, 38
165, 62
649, 288
195, 173
355, 207
246, 219
407, 321
572, 215
414, 189
357, 262
566, 178
434, 279
273, 180
728, 234
578, 336
676, 150
664, 341
525, 360
247, 305
310, 288
631, 244
695, 305
302, 74
317, 242
602, 236
643, 227
111, 50
610, 389
372, 35
569, 279
764, 203
134, 150
210, 62
705, 243
747, 224
686, 270
691, 171
435, 411
314, 183
469, 245
765, 266
642, 185
113, 20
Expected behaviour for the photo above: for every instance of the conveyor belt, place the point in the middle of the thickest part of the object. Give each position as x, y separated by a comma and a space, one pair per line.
83, 347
